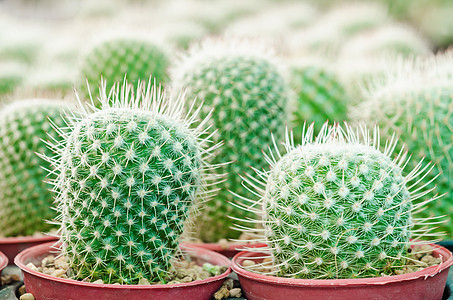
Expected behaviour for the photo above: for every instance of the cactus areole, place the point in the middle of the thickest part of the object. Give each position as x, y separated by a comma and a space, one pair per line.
129, 175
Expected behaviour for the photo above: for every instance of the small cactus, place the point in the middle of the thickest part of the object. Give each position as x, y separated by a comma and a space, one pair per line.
415, 102
129, 176
336, 206
116, 58
250, 98
25, 199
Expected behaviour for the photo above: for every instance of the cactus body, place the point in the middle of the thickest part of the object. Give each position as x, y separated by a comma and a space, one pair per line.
114, 59
320, 97
416, 104
25, 199
129, 176
336, 207
249, 97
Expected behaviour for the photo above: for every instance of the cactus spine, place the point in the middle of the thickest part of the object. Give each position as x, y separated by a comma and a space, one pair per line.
25, 199
249, 95
129, 176
337, 207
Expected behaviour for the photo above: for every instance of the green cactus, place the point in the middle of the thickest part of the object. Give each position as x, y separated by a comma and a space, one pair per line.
249, 95
416, 103
336, 206
129, 175
320, 96
25, 199
116, 58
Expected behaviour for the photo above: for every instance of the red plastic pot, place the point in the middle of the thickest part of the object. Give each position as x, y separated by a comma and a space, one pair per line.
428, 283
231, 251
46, 287
11, 246
3, 261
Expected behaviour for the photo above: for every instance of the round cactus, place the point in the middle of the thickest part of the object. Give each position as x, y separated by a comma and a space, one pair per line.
337, 207
25, 199
416, 103
320, 96
129, 175
117, 58
249, 95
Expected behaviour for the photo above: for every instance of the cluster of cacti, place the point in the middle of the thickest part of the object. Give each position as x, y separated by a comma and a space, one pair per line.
320, 97
25, 199
415, 102
129, 175
118, 58
336, 206
249, 95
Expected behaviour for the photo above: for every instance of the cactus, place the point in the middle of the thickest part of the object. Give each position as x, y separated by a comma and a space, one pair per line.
129, 176
115, 58
336, 206
415, 101
250, 97
25, 199
320, 96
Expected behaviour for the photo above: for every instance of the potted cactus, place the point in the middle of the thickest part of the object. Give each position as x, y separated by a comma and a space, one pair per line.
25, 196
130, 178
337, 219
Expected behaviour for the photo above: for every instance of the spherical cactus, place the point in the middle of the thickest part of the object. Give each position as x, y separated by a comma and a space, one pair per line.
129, 175
249, 95
336, 206
116, 58
25, 197
416, 103
320, 97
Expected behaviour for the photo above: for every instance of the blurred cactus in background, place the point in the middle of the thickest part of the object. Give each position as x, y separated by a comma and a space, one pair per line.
25, 196
249, 94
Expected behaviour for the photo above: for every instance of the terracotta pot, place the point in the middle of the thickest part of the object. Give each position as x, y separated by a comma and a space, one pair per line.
231, 251
46, 287
428, 283
3, 261
11, 246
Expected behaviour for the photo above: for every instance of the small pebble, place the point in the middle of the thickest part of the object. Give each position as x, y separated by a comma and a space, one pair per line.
32, 266
27, 296
59, 273
143, 281
248, 263
223, 243
22, 290
229, 283
99, 281
235, 293
222, 293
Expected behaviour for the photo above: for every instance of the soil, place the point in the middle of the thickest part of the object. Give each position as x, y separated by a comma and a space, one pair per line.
181, 272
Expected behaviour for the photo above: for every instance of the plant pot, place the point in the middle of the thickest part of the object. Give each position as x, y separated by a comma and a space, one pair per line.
231, 251
3, 261
11, 246
428, 283
46, 287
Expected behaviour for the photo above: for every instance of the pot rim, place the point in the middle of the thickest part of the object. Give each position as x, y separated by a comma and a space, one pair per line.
231, 247
3, 261
27, 239
447, 261
18, 260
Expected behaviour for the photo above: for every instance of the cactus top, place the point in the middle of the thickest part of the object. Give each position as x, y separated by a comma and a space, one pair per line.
130, 174
337, 207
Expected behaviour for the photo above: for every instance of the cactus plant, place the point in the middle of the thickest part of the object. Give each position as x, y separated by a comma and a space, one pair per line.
129, 175
336, 206
249, 93
116, 58
415, 101
320, 96
25, 199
